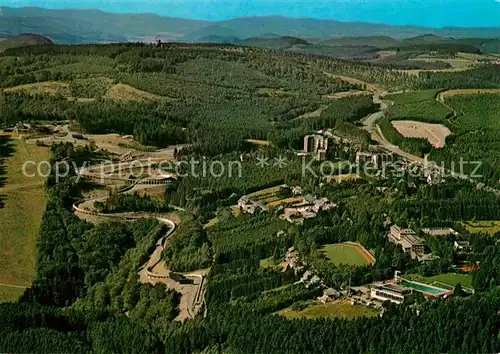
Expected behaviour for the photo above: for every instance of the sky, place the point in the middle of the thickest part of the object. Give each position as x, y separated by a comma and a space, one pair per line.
429, 13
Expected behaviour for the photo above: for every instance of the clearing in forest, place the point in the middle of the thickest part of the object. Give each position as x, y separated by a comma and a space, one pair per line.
124, 92
338, 309
435, 134
490, 227
51, 88
22, 204
347, 253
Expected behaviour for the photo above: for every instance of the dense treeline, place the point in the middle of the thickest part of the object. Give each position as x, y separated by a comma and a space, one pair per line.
122, 203
473, 147
189, 248
415, 146
451, 202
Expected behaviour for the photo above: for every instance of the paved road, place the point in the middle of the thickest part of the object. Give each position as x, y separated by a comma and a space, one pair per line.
371, 126
155, 270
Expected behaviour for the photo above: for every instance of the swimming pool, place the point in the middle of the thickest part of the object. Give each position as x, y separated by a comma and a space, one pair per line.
424, 288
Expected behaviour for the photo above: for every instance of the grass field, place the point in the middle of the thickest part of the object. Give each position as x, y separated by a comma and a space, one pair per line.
338, 309
20, 217
269, 262
341, 253
450, 279
486, 226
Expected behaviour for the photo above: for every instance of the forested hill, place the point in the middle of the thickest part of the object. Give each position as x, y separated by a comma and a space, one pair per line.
182, 93
24, 39
87, 26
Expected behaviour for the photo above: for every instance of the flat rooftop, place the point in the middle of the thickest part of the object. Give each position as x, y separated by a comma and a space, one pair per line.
394, 288
413, 240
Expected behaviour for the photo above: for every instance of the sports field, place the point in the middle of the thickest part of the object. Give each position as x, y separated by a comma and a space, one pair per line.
450, 279
21, 210
346, 253
338, 309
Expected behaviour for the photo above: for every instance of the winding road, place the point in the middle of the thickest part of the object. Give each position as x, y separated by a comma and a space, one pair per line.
154, 270
370, 124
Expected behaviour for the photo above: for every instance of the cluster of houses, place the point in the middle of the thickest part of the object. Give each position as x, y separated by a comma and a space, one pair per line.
307, 209
248, 206
308, 278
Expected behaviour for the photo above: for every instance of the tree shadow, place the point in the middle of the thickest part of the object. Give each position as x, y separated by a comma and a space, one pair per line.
6, 151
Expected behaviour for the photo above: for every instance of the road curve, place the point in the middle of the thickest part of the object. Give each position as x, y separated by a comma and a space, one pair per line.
147, 270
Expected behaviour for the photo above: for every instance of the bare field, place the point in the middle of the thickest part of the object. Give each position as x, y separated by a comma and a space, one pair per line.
434, 133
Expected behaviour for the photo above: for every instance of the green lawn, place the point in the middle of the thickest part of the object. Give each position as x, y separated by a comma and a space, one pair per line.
338, 309
341, 253
450, 279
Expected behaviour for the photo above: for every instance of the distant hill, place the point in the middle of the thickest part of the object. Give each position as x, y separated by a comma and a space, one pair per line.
487, 45
86, 26
94, 26
22, 40
426, 39
209, 31
219, 39
268, 35
274, 43
374, 41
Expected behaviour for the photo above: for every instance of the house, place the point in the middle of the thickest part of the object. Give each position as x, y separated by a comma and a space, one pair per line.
329, 294
408, 240
439, 231
248, 206
307, 274
394, 293
22, 128
315, 143
315, 280
307, 209
425, 257
377, 159
463, 246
